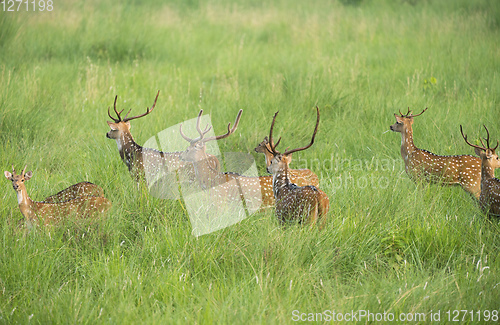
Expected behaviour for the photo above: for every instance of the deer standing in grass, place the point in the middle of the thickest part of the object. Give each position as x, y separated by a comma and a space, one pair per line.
306, 204
140, 160
463, 170
53, 213
301, 177
490, 186
251, 189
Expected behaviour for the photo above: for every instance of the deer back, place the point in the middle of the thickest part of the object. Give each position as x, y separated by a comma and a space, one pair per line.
74, 191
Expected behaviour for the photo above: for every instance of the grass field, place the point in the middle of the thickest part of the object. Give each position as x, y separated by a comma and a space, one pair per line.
388, 246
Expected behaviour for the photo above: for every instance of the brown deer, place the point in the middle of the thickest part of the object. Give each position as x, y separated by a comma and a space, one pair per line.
463, 170
307, 203
254, 190
74, 191
301, 177
53, 213
490, 186
143, 161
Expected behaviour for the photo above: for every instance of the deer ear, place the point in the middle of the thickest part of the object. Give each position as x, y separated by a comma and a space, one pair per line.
478, 151
28, 175
8, 175
287, 158
112, 125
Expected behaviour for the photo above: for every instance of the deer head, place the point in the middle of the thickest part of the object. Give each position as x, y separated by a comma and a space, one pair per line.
264, 147
120, 125
18, 180
487, 154
280, 161
404, 121
197, 146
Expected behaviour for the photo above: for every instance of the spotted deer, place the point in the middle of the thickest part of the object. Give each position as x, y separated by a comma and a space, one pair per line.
141, 160
52, 213
300, 177
463, 170
74, 191
250, 189
489, 199
303, 204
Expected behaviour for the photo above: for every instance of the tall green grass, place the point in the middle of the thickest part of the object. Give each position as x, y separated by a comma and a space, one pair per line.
389, 245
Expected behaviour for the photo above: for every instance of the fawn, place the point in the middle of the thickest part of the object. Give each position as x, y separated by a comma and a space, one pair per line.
463, 170
53, 213
489, 199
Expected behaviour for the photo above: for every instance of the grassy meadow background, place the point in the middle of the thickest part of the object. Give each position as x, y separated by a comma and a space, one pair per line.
388, 245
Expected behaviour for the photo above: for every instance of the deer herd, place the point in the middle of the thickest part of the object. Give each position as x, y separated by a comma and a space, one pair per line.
294, 194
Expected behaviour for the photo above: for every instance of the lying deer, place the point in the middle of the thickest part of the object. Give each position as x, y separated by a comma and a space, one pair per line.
75, 191
301, 177
53, 213
295, 203
463, 170
228, 184
490, 186
161, 167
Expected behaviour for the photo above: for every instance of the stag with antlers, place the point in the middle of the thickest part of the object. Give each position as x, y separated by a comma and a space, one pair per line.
301, 177
229, 185
143, 161
490, 186
463, 170
306, 204
53, 213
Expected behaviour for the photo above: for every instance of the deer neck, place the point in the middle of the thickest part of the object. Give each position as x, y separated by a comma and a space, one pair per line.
281, 182
128, 148
205, 173
407, 146
487, 172
26, 205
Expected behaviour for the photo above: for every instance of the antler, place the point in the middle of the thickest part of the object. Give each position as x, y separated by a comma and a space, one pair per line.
148, 110
202, 133
14, 171
488, 139
118, 114
287, 152
229, 129
470, 144
271, 142
208, 128
126, 119
408, 115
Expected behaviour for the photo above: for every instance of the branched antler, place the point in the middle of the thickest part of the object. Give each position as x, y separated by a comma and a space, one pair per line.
409, 115
288, 152
126, 119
